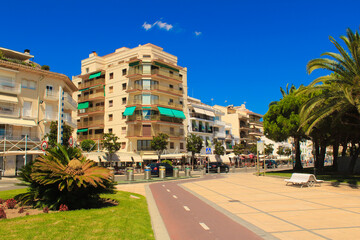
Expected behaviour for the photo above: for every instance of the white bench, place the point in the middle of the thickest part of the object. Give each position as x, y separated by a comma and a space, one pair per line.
303, 179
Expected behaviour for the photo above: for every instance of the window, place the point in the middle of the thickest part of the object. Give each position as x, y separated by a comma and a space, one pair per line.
87, 70
172, 130
146, 56
111, 75
143, 145
110, 117
49, 90
124, 100
123, 145
123, 130
171, 145
181, 145
111, 89
110, 103
124, 72
27, 109
124, 86
110, 130
171, 86
181, 102
171, 101
28, 84
122, 116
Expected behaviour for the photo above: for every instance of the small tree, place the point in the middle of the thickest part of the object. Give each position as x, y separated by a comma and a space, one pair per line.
194, 145
239, 149
159, 144
52, 135
253, 149
219, 148
269, 149
280, 151
111, 145
287, 152
87, 145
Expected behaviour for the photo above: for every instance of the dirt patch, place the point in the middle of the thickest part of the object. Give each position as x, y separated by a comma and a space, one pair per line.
27, 210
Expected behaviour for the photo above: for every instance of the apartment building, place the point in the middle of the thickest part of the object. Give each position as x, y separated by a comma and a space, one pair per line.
134, 93
246, 125
29, 101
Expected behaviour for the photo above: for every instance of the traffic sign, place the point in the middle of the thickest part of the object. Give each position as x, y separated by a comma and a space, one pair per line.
208, 150
260, 146
44, 145
71, 141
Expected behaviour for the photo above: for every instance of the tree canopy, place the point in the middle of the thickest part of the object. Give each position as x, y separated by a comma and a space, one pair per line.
111, 145
194, 144
52, 135
159, 143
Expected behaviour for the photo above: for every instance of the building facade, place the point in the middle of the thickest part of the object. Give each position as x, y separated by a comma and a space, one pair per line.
29, 101
136, 94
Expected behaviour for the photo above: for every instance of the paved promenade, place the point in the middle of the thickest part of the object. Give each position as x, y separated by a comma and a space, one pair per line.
285, 212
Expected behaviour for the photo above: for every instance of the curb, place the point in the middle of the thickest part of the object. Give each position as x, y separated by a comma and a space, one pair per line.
157, 223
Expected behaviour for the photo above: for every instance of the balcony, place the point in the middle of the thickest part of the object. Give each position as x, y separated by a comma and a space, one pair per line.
51, 95
137, 132
18, 135
201, 116
88, 97
94, 123
51, 116
219, 123
166, 74
9, 111
154, 102
69, 102
91, 110
220, 135
255, 122
135, 71
11, 87
155, 87
162, 118
99, 136
201, 129
91, 83
255, 132
70, 121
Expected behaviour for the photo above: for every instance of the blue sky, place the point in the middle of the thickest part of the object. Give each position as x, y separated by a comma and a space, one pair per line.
244, 51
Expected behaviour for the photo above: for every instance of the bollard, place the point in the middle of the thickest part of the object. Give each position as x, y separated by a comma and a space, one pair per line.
130, 174
176, 172
233, 168
187, 171
147, 173
162, 171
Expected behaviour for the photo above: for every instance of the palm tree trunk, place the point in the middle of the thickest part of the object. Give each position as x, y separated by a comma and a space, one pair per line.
298, 165
317, 154
322, 155
353, 159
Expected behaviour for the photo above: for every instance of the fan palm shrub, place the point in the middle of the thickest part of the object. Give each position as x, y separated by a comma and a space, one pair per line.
64, 176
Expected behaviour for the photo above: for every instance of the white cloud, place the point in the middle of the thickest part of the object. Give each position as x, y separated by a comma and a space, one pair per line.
160, 24
198, 33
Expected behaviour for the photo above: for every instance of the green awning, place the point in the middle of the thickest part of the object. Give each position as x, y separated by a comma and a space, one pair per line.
134, 63
84, 89
94, 75
146, 107
129, 111
82, 130
83, 105
166, 66
178, 114
166, 111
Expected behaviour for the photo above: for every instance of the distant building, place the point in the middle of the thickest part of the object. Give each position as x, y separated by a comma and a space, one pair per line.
29, 101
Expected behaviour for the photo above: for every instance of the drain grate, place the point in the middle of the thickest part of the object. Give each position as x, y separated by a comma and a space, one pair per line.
234, 200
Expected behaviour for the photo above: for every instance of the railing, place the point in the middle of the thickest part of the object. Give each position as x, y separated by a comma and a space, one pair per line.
138, 133
10, 87
51, 95
155, 87
18, 135
69, 100
98, 136
201, 116
154, 102
166, 74
51, 116
219, 123
69, 120
199, 129
9, 111
220, 135
91, 110
90, 83
90, 123
91, 96
133, 71
154, 118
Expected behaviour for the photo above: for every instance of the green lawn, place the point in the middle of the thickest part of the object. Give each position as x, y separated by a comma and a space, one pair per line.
129, 220
327, 175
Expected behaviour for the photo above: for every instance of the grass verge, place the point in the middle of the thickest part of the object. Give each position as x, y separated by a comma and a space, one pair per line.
129, 220
327, 175
155, 179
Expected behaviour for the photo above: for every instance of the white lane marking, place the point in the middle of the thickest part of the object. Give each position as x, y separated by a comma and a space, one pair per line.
163, 185
174, 196
168, 190
186, 208
204, 226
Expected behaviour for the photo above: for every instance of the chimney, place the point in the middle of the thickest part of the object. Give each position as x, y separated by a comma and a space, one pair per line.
94, 52
27, 51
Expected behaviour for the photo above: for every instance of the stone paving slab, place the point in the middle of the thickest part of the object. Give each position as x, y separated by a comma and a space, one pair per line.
286, 212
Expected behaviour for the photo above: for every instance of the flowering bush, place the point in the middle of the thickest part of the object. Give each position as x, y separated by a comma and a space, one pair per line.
2, 201
11, 203
63, 208
2, 213
46, 210
21, 210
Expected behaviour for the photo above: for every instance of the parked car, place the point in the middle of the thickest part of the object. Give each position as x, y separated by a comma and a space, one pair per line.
213, 166
271, 163
156, 166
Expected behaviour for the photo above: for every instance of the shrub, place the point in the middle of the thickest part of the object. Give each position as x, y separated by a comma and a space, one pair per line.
2, 213
2, 201
46, 209
87, 145
11, 203
167, 161
64, 176
63, 208
45, 67
21, 210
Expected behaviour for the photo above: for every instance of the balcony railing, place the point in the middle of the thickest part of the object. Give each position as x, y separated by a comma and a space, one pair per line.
18, 135
154, 118
220, 135
91, 110
136, 132
155, 87
10, 87
51, 95
70, 121
166, 74
154, 102
11, 111
69, 102
51, 116
219, 123
85, 84
201, 116
200, 129
85, 124
99, 136
91, 96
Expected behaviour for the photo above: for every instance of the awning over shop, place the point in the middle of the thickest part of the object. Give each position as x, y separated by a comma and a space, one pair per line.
96, 156
225, 159
178, 114
126, 157
18, 122
10, 99
212, 158
82, 130
83, 105
137, 158
95, 75
166, 111
129, 111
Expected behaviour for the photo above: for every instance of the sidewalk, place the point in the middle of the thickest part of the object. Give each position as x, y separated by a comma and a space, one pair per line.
285, 212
